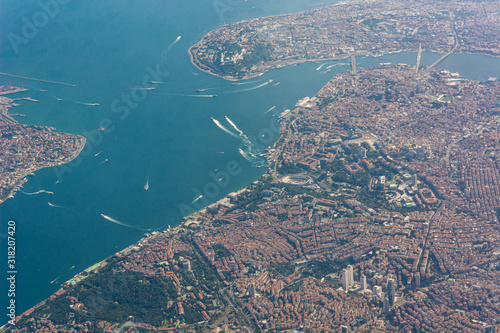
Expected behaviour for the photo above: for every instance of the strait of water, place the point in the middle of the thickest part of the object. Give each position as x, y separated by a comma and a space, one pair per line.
167, 140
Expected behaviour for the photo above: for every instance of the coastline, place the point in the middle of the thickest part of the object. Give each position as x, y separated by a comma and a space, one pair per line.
279, 63
183, 224
186, 221
20, 180
285, 63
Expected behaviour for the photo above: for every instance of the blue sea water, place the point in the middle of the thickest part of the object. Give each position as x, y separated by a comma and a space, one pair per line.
168, 140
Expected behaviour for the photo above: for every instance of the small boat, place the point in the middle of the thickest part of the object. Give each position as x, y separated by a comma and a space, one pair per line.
215, 95
198, 90
101, 129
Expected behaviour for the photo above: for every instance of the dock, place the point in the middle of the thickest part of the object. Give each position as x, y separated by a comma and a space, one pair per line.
10, 89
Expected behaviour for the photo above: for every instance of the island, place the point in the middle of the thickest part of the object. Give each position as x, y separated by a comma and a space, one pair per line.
350, 28
379, 213
25, 149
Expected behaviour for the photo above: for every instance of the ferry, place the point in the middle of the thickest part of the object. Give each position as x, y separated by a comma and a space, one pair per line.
284, 113
302, 102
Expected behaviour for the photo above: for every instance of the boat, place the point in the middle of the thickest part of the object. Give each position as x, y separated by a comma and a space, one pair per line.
101, 129
198, 90
146, 187
302, 102
215, 95
284, 113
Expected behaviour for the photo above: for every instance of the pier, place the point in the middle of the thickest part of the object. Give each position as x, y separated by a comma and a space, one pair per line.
10, 89
40, 80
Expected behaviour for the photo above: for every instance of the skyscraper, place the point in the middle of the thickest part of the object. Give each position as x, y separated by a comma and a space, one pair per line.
386, 305
351, 275
391, 290
345, 279
363, 282
251, 289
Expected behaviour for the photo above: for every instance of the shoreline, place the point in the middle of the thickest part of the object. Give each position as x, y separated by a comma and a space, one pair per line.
185, 221
21, 180
276, 64
279, 64
286, 63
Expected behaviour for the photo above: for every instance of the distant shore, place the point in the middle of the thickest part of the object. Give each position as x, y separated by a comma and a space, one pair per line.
291, 62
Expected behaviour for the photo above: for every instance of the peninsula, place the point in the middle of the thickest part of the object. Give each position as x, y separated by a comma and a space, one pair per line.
364, 28
26, 149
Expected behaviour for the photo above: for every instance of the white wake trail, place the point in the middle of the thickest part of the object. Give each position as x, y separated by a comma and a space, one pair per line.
240, 132
87, 104
106, 160
339, 64
271, 109
35, 193
56, 206
122, 223
320, 66
164, 53
143, 88
246, 156
201, 196
191, 95
225, 129
253, 88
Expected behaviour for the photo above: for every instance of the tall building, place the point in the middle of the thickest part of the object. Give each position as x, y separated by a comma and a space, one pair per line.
363, 282
377, 290
251, 289
345, 279
350, 272
391, 290
386, 306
